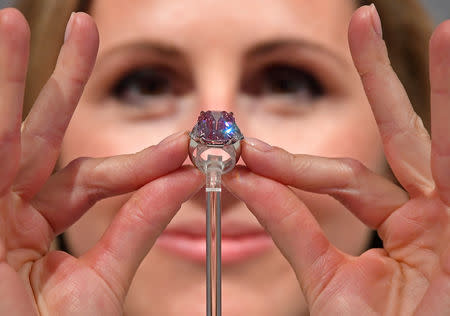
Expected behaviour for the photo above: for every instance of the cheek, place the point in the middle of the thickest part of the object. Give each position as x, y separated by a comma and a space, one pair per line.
356, 138
346, 130
88, 135
98, 131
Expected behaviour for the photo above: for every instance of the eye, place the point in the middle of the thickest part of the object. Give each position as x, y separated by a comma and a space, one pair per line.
284, 80
140, 84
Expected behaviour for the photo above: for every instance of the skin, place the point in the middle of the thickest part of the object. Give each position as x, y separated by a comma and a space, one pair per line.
317, 242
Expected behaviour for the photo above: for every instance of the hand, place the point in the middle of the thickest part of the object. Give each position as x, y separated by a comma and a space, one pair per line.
35, 206
411, 275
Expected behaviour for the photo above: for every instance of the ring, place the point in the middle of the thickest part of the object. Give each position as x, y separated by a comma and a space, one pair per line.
217, 134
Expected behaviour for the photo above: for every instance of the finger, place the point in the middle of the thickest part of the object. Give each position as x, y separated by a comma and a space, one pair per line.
440, 109
138, 224
15, 297
406, 142
369, 196
291, 225
56, 104
14, 50
73, 190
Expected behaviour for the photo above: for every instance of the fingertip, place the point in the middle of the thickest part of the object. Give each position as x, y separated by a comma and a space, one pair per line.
356, 31
440, 59
85, 22
195, 174
232, 179
84, 33
365, 39
88, 28
257, 144
440, 42
188, 178
174, 147
268, 163
13, 22
235, 173
11, 16
247, 151
251, 148
359, 23
441, 32
176, 137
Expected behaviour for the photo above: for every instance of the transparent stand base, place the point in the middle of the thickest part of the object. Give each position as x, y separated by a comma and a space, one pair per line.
214, 167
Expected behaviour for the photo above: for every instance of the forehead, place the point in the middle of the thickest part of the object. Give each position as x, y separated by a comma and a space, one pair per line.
226, 24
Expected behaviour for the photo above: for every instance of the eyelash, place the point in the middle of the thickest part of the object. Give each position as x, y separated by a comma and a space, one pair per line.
136, 85
155, 81
283, 79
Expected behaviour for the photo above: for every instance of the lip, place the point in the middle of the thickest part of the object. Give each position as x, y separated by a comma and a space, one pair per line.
238, 242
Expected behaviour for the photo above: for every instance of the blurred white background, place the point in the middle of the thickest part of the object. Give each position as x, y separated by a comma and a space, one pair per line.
439, 9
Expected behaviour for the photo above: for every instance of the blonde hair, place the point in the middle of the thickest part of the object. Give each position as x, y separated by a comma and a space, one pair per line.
406, 27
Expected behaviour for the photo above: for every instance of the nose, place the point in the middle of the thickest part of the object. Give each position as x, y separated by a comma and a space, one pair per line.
217, 81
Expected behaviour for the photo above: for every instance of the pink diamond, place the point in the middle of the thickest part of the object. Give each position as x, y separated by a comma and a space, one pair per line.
216, 128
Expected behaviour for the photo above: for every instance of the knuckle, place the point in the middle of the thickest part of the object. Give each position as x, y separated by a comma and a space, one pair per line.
412, 124
355, 166
90, 182
102, 180
132, 172
9, 136
93, 195
74, 172
55, 88
49, 139
137, 213
372, 72
415, 121
353, 170
77, 164
299, 165
68, 85
133, 206
76, 81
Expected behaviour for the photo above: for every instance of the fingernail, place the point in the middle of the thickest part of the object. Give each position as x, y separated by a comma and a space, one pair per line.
172, 137
258, 144
69, 27
376, 21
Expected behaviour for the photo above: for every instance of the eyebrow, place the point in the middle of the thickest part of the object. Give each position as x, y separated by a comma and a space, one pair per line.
272, 46
164, 50
167, 50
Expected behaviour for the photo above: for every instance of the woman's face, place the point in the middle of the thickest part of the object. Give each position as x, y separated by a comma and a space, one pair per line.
284, 69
